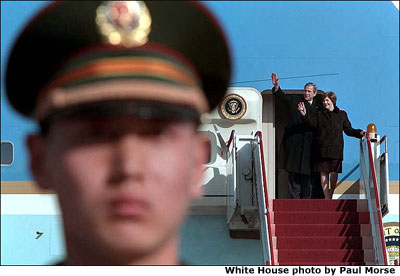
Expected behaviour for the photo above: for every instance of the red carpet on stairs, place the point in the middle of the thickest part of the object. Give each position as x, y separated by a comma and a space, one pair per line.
321, 232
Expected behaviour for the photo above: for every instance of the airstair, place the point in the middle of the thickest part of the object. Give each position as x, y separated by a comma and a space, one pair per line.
321, 232
336, 232
299, 232
313, 231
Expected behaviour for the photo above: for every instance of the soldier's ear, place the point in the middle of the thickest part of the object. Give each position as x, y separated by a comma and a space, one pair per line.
36, 148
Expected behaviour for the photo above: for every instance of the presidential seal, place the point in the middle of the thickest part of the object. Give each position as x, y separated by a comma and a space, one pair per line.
126, 23
233, 107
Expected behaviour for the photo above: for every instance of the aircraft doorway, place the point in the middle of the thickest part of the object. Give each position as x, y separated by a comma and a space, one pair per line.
275, 118
281, 176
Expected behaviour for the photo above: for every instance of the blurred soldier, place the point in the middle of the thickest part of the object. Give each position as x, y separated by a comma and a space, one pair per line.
118, 89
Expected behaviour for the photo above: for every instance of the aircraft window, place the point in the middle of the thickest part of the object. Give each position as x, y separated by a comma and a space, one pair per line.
7, 153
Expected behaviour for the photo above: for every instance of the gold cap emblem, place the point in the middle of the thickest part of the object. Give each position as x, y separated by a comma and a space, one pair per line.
126, 23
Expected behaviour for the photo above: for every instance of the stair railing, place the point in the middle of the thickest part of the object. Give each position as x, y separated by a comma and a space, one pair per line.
383, 177
368, 177
263, 202
230, 155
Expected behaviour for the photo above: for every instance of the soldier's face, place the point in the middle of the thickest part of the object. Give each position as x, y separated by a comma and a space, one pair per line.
124, 184
309, 93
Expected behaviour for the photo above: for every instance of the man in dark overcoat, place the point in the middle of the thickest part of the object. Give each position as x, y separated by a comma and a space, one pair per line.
295, 153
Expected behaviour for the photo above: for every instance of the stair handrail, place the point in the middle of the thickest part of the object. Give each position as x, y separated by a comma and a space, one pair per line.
228, 143
378, 206
384, 187
231, 201
259, 136
383, 139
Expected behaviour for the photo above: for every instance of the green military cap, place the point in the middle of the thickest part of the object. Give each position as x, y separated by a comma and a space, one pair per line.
152, 59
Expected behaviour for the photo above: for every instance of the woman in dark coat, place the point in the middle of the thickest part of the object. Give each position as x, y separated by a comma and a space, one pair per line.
329, 125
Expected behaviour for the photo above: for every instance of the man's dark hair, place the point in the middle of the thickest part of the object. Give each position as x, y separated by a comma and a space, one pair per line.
313, 85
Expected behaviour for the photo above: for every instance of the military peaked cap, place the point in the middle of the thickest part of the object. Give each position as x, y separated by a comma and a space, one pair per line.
155, 54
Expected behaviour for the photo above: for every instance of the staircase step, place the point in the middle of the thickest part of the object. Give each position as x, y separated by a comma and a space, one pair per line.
326, 255
349, 242
320, 217
316, 205
320, 230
